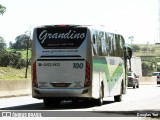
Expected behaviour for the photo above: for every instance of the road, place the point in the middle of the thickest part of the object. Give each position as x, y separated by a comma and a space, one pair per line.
141, 102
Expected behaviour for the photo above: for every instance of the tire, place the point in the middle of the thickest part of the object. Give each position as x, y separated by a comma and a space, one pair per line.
137, 85
134, 86
118, 98
99, 102
51, 102
47, 103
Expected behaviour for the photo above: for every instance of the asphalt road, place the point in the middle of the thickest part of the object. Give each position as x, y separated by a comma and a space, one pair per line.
141, 102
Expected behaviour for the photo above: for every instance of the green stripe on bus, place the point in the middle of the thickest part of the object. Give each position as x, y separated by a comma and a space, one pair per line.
102, 65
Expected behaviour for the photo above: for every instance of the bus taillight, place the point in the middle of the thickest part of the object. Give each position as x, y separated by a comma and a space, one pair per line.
87, 79
34, 81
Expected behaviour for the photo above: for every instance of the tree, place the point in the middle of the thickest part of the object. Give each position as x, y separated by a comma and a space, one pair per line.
147, 69
2, 9
4, 58
2, 43
12, 58
21, 42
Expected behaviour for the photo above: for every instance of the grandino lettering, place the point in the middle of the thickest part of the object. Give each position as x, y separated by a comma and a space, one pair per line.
68, 35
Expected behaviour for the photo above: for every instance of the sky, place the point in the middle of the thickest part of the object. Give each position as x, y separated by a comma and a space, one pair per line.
138, 18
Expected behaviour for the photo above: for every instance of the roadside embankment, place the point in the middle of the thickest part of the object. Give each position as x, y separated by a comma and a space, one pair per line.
10, 88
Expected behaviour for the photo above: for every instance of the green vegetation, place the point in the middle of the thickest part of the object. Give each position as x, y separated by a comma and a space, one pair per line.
23, 52
150, 56
146, 50
13, 61
2, 9
13, 64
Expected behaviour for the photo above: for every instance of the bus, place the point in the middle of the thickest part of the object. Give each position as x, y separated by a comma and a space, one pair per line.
78, 62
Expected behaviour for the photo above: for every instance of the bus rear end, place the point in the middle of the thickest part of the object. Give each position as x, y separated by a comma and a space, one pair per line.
60, 68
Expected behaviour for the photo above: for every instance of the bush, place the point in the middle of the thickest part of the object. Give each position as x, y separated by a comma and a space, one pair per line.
4, 58
147, 69
13, 59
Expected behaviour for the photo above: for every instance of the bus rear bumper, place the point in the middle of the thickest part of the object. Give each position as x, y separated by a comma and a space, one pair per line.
61, 93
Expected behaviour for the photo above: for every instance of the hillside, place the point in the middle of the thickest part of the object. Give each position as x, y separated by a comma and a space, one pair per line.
8, 73
150, 57
147, 50
148, 53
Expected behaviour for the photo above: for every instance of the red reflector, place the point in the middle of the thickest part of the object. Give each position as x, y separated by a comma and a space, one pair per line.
131, 78
158, 76
87, 80
34, 73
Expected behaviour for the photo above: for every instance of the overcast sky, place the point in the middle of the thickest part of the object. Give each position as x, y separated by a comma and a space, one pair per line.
138, 18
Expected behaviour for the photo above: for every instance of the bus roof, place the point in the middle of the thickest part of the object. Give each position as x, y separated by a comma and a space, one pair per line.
96, 27
91, 27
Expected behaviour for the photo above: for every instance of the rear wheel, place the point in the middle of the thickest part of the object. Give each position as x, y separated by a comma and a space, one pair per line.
118, 98
48, 102
99, 101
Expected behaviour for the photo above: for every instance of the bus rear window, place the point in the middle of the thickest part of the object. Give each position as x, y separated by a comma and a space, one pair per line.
61, 37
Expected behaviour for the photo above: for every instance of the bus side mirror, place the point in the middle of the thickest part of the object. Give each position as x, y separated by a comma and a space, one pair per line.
128, 52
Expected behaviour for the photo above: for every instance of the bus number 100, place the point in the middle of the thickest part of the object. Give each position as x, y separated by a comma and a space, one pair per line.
78, 65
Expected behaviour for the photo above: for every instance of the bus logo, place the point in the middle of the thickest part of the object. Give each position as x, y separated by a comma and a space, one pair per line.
61, 38
68, 35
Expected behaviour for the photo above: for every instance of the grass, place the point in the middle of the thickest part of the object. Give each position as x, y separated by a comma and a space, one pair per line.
8, 73
150, 47
24, 53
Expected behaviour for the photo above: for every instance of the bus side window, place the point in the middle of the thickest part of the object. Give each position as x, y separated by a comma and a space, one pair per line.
107, 39
118, 47
99, 41
94, 39
104, 44
122, 46
94, 44
111, 44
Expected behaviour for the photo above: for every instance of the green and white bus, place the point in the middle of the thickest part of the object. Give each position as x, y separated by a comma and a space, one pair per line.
78, 62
